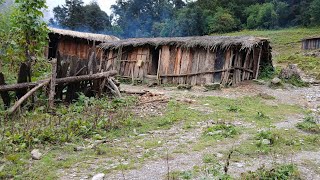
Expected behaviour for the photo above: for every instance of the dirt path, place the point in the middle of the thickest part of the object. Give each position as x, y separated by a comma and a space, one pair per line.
157, 168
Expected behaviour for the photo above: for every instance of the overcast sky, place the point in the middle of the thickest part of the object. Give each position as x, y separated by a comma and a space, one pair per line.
104, 5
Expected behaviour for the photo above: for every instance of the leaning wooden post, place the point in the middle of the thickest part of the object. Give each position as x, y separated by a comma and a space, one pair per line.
258, 65
53, 83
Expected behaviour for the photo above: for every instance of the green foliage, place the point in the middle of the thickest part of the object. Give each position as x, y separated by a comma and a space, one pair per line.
296, 81
221, 131
29, 29
83, 119
222, 21
285, 172
309, 124
315, 12
76, 16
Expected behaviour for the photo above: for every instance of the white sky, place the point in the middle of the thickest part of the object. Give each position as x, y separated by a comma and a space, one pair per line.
105, 5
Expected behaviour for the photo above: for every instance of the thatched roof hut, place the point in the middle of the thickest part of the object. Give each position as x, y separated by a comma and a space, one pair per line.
311, 43
74, 43
84, 35
189, 60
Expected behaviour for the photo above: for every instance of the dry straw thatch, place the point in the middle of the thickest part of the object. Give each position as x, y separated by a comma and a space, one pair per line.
83, 35
211, 42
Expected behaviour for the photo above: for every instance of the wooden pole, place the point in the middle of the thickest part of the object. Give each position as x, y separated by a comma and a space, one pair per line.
53, 83
158, 69
28, 94
258, 65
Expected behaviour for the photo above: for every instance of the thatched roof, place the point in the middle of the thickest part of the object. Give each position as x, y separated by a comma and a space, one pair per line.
83, 35
200, 41
311, 38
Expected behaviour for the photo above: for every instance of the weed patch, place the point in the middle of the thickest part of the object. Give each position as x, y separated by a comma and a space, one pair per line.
285, 171
220, 131
309, 124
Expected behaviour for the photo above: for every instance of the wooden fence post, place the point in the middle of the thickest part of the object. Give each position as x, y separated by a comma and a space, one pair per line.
53, 83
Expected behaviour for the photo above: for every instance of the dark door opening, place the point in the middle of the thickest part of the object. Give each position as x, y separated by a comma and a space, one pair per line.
53, 47
153, 66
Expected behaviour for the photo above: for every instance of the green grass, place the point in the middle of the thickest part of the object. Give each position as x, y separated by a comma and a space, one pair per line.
286, 46
309, 125
283, 171
93, 119
280, 142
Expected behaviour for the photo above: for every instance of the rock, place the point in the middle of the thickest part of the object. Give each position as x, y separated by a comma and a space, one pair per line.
219, 155
276, 81
239, 165
35, 154
99, 176
79, 148
213, 86
266, 141
289, 72
184, 86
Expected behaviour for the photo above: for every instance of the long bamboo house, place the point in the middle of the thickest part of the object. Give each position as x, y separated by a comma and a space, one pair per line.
189, 60
311, 43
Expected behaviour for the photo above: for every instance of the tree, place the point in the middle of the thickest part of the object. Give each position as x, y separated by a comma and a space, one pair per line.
137, 18
315, 12
70, 15
75, 16
222, 21
30, 30
95, 19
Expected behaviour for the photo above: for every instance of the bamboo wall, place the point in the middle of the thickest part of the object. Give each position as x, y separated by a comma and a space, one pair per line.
194, 66
310, 44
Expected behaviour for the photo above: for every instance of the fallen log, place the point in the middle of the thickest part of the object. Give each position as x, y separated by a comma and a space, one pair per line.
28, 94
71, 79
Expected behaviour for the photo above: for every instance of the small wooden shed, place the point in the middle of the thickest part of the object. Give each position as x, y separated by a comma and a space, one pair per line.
311, 43
74, 43
76, 55
189, 60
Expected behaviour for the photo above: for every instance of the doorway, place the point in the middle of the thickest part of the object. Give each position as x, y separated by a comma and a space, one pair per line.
154, 63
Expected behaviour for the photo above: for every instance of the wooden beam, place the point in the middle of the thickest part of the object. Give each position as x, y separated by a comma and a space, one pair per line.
28, 94
60, 80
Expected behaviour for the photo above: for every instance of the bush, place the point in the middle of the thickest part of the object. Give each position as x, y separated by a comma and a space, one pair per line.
286, 171
309, 124
221, 131
223, 21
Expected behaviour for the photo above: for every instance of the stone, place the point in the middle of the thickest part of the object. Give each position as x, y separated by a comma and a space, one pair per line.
239, 165
213, 86
99, 176
266, 141
276, 81
79, 148
289, 72
35, 154
219, 155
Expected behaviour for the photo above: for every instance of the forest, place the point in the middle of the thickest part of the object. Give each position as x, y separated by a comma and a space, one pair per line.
168, 18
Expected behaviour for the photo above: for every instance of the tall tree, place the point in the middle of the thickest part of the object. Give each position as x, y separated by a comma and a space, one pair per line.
70, 15
75, 15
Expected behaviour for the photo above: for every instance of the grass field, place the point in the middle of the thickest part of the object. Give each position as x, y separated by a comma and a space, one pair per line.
286, 44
